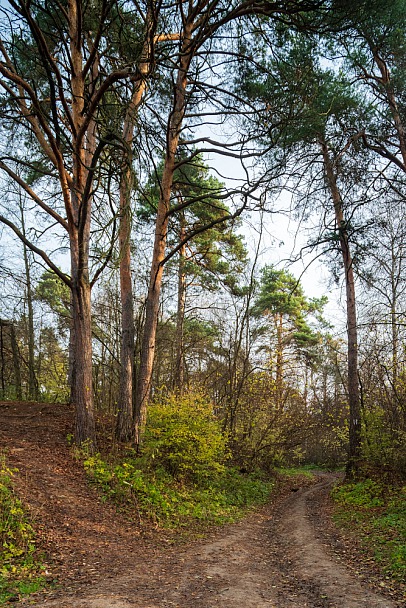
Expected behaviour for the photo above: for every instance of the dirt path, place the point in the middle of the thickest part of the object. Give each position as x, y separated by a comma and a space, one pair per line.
275, 558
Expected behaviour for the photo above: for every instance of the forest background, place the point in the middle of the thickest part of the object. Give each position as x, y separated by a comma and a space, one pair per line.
127, 285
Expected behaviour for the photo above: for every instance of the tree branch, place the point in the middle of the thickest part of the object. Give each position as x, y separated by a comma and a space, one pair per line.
36, 250
34, 196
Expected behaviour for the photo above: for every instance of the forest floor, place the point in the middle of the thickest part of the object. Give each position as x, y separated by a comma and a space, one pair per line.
285, 555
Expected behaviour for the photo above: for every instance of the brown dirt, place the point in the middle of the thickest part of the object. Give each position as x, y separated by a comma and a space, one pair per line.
284, 556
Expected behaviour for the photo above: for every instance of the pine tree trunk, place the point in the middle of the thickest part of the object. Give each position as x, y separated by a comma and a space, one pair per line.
32, 379
125, 415
82, 387
125, 426
354, 452
80, 208
71, 352
161, 230
179, 377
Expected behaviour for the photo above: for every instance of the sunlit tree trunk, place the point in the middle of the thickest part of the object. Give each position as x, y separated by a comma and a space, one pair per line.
179, 377
125, 417
161, 231
82, 388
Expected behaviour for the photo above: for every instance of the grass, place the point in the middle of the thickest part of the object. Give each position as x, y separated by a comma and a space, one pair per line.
21, 572
156, 496
377, 514
303, 471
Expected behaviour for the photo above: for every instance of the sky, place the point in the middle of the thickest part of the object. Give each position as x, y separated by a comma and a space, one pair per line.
281, 240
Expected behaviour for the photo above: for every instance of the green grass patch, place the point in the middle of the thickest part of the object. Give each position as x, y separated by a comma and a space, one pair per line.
377, 514
304, 471
169, 502
21, 572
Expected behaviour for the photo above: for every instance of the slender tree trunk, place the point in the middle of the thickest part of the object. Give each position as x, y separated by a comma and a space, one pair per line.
71, 353
161, 230
179, 378
306, 386
125, 427
387, 83
393, 316
354, 453
16, 361
3, 362
279, 361
125, 417
32, 379
395, 348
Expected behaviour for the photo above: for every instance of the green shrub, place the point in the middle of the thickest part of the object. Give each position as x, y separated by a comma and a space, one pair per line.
184, 437
20, 572
181, 475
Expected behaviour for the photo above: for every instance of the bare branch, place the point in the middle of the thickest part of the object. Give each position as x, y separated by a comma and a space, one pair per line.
34, 196
36, 250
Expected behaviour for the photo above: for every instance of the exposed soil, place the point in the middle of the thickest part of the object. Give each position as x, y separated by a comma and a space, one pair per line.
287, 555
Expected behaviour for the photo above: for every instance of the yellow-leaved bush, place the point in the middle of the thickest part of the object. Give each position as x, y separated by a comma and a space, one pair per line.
184, 437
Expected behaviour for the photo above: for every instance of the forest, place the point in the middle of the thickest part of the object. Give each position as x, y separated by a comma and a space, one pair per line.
135, 143
153, 156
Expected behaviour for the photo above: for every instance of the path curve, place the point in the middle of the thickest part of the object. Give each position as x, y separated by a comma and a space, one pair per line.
268, 561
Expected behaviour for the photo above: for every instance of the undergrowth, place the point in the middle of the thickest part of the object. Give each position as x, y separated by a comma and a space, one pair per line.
159, 497
20, 570
302, 471
377, 513
182, 476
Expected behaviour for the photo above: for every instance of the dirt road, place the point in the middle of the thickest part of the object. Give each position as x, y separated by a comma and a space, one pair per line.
276, 558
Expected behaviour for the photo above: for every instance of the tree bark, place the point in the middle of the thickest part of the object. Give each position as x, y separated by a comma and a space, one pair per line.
125, 416
16, 361
80, 207
179, 377
32, 378
82, 388
354, 452
279, 361
125, 427
161, 230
